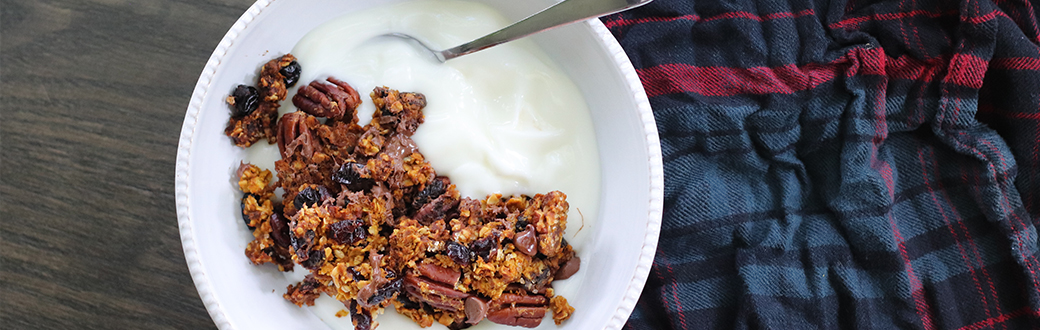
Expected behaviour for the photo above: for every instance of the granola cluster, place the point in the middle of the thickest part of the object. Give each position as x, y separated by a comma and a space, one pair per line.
257, 110
363, 211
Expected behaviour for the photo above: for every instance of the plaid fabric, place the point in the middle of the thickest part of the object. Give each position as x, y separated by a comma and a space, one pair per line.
860, 165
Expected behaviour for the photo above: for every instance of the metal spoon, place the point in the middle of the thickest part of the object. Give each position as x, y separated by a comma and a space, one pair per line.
563, 13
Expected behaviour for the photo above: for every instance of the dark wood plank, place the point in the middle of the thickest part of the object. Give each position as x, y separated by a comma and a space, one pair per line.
92, 96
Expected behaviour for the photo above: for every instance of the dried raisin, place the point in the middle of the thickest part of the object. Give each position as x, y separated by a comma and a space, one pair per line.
314, 259
310, 197
349, 174
521, 224
407, 303
386, 292
361, 318
247, 99
482, 247
458, 253
245, 217
433, 190
291, 73
280, 229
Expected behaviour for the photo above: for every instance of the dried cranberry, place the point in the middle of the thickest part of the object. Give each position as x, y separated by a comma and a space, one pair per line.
349, 174
280, 229
348, 231
482, 247
245, 217
291, 73
310, 197
458, 253
247, 99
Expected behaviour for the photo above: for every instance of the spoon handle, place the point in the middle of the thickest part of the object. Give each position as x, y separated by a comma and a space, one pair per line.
565, 12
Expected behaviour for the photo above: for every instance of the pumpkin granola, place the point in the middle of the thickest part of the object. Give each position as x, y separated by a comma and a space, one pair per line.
367, 215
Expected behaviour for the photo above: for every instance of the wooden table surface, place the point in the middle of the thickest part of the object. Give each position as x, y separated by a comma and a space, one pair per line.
92, 97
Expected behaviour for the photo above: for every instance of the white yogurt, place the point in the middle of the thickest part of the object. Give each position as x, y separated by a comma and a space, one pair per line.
504, 120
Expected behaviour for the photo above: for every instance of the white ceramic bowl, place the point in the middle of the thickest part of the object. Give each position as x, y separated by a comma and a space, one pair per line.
616, 257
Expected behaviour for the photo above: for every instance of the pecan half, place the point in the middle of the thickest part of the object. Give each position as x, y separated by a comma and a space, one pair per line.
334, 100
512, 299
435, 294
440, 274
294, 133
528, 317
518, 310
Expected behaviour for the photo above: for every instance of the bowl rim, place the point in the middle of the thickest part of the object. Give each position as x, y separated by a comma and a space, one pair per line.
202, 87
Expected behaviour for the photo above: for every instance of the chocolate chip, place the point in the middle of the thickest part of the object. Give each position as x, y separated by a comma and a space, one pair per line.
476, 309
526, 241
569, 268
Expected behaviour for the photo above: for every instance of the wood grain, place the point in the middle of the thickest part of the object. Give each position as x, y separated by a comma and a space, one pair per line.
92, 97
